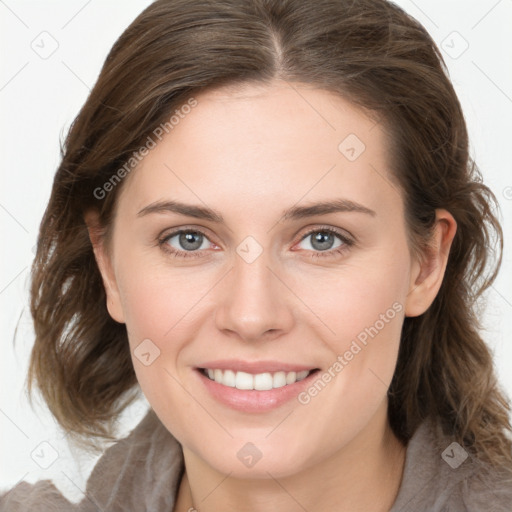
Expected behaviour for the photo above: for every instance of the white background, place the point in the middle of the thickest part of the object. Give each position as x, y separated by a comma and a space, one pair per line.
39, 97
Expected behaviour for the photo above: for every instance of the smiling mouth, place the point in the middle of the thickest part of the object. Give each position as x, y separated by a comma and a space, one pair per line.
259, 381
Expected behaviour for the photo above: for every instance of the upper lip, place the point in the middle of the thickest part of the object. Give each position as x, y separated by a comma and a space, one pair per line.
254, 367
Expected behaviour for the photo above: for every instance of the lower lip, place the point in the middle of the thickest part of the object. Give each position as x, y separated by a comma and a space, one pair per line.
254, 400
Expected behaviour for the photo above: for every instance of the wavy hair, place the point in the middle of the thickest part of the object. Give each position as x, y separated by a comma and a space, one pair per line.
371, 53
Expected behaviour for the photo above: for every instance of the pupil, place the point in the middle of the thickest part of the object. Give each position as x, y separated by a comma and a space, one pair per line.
322, 239
187, 241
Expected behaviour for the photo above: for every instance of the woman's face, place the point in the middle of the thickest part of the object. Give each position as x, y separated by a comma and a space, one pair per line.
293, 258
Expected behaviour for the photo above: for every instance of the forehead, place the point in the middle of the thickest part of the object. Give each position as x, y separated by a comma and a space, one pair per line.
242, 145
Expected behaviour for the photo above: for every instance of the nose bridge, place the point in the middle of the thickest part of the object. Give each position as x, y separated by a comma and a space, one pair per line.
253, 303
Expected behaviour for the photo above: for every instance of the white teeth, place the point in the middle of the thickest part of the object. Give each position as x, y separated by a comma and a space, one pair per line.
291, 377
302, 375
229, 378
242, 381
263, 381
259, 382
279, 380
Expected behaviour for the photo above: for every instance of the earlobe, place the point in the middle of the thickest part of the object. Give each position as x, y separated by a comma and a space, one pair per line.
105, 266
427, 275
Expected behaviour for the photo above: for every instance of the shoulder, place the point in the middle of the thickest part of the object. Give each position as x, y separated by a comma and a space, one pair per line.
485, 490
40, 497
139, 472
441, 476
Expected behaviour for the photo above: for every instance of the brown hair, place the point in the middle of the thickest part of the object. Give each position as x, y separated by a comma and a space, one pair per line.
371, 53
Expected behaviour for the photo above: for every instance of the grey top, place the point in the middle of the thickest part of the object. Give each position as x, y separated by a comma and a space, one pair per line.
142, 472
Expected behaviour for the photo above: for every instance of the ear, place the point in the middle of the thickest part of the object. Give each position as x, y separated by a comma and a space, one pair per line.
104, 262
427, 274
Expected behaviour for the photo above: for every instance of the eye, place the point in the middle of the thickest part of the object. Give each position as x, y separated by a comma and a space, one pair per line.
326, 242
185, 243
323, 242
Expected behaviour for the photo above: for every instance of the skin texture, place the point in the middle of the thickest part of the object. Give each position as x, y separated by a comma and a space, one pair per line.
250, 153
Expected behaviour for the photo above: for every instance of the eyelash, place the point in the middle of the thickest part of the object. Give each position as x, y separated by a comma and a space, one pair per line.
347, 243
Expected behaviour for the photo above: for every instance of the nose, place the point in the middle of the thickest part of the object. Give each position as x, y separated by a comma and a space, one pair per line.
255, 304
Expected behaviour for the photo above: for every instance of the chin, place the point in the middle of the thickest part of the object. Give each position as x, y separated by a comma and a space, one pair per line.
246, 460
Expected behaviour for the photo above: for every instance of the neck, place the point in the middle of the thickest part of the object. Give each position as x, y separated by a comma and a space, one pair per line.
362, 476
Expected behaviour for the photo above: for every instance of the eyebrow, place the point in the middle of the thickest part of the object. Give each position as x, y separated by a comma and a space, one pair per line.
293, 213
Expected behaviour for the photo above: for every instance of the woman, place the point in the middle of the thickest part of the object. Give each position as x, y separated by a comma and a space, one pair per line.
266, 217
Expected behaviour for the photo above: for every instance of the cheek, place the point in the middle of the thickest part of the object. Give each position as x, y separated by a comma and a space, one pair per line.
361, 303
370, 317
365, 310
157, 302
158, 328
164, 309
362, 311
